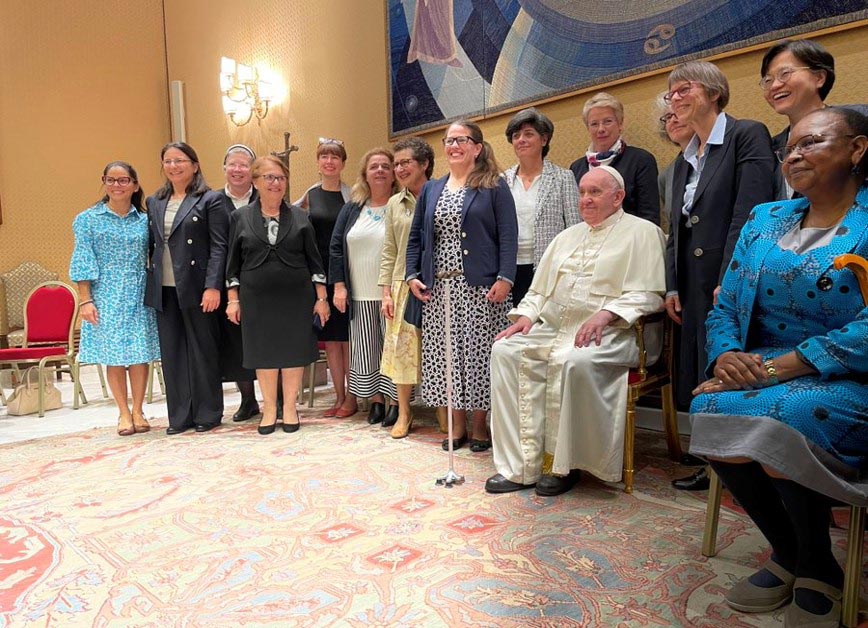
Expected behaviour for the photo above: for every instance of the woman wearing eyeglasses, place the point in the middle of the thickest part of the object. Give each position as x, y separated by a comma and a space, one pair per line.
188, 229
726, 169
276, 290
464, 233
108, 263
354, 268
414, 163
782, 418
323, 202
604, 117
795, 76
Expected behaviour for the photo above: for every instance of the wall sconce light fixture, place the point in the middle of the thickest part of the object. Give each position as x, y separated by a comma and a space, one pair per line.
244, 94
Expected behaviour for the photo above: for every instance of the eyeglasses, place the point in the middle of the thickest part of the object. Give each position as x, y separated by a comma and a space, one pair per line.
404, 163
274, 178
681, 91
606, 122
329, 140
461, 140
176, 162
121, 181
781, 76
805, 145
666, 119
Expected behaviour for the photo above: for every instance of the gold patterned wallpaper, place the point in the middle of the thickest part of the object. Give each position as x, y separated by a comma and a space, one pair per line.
87, 83
84, 83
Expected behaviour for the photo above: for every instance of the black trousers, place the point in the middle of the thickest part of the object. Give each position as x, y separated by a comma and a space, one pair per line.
523, 279
189, 346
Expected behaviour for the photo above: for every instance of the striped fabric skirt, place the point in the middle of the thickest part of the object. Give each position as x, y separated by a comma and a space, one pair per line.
367, 331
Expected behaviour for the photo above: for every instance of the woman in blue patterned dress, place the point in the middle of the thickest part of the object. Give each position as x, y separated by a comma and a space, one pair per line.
784, 420
108, 263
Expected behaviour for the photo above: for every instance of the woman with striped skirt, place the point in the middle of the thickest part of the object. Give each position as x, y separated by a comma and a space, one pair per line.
354, 268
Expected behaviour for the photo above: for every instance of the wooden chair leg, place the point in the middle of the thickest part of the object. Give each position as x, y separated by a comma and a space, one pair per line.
75, 370
629, 442
670, 423
712, 515
41, 374
105, 394
853, 568
162, 382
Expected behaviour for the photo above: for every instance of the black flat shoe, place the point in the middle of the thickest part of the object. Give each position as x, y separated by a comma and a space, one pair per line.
477, 446
377, 413
551, 485
289, 428
457, 443
247, 410
391, 416
206, 428
172, 431
499, 484
697, 482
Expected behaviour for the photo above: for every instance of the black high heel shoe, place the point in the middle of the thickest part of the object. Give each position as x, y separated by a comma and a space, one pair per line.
266, 429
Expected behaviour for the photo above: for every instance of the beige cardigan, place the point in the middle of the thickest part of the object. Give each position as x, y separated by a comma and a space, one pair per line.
399, 219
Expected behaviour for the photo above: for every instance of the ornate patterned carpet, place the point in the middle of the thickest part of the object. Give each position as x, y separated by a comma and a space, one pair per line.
339, 525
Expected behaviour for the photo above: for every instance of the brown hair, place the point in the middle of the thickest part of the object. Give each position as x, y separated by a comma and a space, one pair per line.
331, 148
486, 172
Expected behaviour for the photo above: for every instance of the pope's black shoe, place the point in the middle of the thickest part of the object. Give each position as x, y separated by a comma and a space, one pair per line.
551, 485
499, 484
697, 482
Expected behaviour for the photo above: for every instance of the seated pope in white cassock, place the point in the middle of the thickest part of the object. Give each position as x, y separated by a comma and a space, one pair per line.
559, 372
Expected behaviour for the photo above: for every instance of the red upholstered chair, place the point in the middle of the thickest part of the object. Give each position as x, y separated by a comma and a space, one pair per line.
49, 320
645, 379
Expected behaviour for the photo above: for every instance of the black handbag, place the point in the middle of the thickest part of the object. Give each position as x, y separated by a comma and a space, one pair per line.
413, 311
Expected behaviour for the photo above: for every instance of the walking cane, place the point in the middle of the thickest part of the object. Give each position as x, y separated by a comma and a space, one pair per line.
451, 478
853, 572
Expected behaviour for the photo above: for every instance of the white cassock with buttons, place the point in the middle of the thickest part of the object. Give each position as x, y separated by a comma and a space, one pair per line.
555, 406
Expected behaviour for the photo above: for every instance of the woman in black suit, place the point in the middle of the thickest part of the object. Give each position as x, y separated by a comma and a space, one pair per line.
187, 233
273, 272
238, 192
725, 170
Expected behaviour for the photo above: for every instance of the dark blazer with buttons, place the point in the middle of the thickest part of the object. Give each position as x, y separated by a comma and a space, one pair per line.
230, 206
737, 176
197, 243
249, 247
489, 234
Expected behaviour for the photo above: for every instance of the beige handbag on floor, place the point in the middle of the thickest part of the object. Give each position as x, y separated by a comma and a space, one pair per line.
25, 398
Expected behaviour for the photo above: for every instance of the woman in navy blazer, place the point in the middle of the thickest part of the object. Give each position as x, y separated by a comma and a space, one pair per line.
464, 235
188, 230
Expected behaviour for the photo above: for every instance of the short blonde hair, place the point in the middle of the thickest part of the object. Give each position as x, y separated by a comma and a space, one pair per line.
601, 100
361, 191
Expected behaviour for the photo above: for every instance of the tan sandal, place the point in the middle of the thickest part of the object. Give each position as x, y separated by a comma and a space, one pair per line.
797, 616
125, 431
142, 425
750, 598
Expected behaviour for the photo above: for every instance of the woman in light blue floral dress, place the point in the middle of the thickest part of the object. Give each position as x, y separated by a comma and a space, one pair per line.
108, 263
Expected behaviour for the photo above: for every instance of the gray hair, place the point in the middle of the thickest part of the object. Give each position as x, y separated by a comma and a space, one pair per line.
600, 100
706, 74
